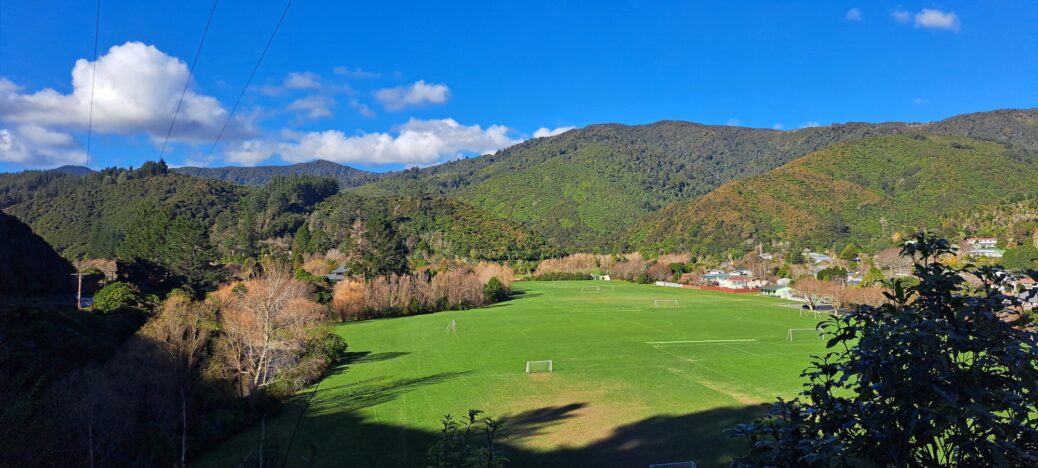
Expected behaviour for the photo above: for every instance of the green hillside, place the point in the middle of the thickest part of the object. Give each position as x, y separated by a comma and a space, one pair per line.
863, 192
583, 187
87, 216
432, 224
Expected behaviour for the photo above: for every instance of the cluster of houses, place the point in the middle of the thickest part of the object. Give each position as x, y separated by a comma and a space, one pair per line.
983, 247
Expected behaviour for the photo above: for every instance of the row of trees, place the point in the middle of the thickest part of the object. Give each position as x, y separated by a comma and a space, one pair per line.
423, 292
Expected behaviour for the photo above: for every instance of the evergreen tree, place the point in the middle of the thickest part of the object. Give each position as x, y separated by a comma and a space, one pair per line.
382, 251
300, 245
850, 252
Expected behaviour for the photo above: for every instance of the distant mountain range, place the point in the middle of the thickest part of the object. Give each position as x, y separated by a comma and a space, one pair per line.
260, 175
662, 186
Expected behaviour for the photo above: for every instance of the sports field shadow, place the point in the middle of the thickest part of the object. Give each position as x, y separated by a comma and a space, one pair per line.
534, 422
374, 391
346, 439
364, 357
698, 437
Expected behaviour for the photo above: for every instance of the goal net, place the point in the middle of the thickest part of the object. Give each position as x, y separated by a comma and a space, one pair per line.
794, 331
534, 367
607, 288
590, 288
664, 303
560, 284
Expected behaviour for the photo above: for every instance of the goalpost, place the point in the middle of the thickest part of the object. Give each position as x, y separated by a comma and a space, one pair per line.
789, 333
560, 284
590, 288
665, 303
809, 312
535, 367
606, 288
452, 327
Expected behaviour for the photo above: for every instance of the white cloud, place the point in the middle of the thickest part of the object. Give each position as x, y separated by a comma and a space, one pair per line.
937, 19
315, 106
777, 126
918, 101
137, 88
854, 14
302, 80
249, 153
355, 73
135, 91
415, 143
733, 122
900, 15
36, 146
361, 108
417, 94
810, 124
547, 132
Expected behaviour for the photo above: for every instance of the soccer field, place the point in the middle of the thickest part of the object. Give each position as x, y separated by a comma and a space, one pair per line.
637, 379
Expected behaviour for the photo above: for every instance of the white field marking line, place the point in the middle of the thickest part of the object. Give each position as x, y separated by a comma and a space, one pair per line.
518, 330
699, 364
701, 341
742, 350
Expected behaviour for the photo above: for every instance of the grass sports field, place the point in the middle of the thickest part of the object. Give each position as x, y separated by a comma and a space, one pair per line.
633, 384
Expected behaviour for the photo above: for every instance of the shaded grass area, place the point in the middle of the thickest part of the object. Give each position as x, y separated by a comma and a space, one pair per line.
613, 400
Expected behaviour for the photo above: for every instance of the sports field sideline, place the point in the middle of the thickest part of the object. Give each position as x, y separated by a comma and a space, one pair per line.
632, 383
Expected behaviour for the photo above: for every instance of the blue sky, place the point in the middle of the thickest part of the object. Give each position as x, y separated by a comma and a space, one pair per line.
386, 85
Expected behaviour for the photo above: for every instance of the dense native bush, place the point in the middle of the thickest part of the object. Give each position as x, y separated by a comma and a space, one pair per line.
115, 296
494, 291
933, 377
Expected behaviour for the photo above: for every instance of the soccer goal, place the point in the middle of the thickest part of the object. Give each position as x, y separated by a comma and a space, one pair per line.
607, 288
452, 327
808, 313
535, 367
793, 331
590, 288
665, 303
560, 284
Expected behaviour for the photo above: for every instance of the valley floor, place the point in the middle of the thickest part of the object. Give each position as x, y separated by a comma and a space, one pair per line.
632, 385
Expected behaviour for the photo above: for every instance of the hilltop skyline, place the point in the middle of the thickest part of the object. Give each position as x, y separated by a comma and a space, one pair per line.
391, 86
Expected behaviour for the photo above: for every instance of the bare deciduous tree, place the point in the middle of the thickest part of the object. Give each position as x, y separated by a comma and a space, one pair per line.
265, 323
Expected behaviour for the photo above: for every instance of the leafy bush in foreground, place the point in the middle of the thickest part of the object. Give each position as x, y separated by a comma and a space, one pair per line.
934, 377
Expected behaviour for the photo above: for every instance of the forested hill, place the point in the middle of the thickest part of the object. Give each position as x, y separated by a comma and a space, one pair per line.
88, 216
864, 192
91, 216
260, 175
585, 186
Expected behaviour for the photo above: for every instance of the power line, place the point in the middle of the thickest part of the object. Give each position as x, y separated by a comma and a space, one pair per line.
93, 81
191, 72
245, 88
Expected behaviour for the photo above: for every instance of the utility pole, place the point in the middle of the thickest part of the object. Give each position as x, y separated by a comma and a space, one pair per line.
79, 289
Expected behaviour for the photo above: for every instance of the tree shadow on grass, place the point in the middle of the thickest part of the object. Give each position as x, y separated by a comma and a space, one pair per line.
374, 391
344, 438
364, 357
533, 423
698, 437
